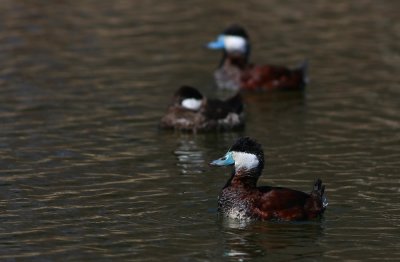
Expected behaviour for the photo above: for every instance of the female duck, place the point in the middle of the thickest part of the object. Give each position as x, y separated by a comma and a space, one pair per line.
191, 111
242, 199
235, 72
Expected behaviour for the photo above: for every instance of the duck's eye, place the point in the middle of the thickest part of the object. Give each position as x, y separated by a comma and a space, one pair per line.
224, 158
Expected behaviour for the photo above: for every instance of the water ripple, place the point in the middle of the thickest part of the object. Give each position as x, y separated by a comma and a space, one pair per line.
87, 175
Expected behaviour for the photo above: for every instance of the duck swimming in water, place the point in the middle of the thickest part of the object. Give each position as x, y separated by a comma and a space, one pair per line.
191, 111
242, 199
236, 72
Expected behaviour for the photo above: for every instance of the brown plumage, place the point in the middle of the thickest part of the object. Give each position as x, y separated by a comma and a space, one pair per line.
207, 115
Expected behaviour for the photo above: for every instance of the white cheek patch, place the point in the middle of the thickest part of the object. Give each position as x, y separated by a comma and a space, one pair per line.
245, 160
191, 103
235, 44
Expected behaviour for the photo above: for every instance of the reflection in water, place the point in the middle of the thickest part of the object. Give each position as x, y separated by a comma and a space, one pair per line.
190, 157
257, 239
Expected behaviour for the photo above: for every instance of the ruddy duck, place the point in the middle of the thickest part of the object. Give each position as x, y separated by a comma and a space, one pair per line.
191, 111
242, 199
235, 72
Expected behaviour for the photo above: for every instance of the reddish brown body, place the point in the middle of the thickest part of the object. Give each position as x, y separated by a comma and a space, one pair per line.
235, 73
242, 199
271, 78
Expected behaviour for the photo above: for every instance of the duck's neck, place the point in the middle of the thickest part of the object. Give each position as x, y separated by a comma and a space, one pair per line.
238, 60
243, 178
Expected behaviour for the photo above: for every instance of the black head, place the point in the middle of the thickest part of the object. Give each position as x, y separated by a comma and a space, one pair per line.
236, 30
185, 92
247, 145
246, 154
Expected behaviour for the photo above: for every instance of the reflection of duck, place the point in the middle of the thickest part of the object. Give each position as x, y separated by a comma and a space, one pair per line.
190, 157
191, 111
235, 72
242, 199
256, 240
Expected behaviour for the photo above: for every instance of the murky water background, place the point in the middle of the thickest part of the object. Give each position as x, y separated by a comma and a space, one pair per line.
85, 174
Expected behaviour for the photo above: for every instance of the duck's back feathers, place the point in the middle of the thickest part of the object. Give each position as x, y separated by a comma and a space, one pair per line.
219, 109
281, 204
268, 77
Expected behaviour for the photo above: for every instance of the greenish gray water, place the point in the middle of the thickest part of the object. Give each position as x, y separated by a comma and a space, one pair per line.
85, 174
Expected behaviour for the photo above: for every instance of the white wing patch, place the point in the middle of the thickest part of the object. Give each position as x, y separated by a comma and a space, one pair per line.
191, 103
235, 43
245, 160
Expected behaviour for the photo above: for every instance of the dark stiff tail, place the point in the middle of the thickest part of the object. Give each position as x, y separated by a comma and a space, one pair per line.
319, 192
303, 68
236, 103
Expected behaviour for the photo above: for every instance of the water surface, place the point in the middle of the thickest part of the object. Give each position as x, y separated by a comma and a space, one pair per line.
86, 175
